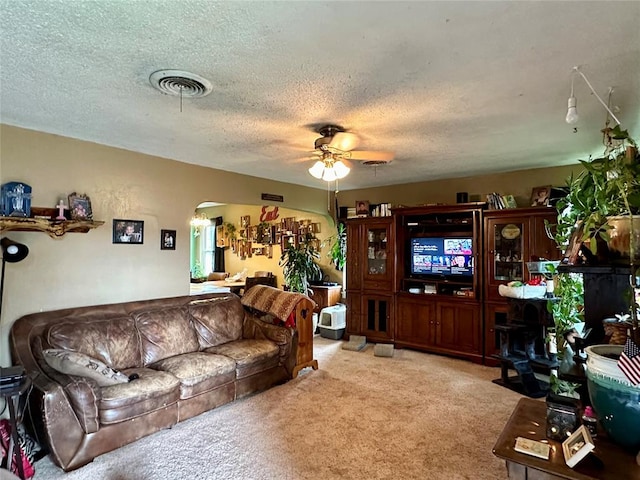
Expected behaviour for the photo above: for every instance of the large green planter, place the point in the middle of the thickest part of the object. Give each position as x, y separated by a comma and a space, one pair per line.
615, 400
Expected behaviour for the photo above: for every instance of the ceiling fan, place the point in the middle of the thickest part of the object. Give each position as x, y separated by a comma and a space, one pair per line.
334, 147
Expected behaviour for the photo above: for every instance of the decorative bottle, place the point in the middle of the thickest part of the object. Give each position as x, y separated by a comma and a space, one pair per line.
590, 421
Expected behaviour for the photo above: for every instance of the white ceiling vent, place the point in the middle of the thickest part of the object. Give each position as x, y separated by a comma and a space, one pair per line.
376, 163
180, 83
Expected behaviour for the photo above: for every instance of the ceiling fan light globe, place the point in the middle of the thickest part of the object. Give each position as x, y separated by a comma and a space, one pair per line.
341, 169
317, 170
329, 175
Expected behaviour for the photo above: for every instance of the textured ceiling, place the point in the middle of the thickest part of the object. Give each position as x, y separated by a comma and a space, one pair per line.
453, 88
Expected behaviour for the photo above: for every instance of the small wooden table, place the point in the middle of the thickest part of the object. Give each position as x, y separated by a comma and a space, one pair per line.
12, 396
529, 420
234, 286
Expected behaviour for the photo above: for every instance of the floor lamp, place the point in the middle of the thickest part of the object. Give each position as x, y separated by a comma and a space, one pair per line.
12, 252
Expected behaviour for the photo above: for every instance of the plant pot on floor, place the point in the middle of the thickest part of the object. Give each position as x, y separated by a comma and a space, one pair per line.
615, 400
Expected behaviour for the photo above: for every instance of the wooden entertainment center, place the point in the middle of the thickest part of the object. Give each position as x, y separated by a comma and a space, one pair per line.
402, 287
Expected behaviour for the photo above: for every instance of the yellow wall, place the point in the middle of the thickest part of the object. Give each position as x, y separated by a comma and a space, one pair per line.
233, 262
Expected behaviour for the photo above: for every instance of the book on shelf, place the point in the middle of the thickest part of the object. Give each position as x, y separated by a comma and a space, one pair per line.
496, 201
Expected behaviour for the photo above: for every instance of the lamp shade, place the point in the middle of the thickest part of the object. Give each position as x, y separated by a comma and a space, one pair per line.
317, 169
13, 252
341, 169
329, 174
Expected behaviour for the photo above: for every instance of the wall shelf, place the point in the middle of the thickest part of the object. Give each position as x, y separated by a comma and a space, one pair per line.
53, 228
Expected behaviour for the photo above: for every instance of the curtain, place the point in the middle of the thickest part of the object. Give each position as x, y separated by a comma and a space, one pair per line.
218, 259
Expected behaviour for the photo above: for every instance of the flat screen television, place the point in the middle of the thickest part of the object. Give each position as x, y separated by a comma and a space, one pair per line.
449, 256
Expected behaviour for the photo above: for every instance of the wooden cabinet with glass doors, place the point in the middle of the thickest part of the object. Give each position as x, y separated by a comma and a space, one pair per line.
513, 237
370, 258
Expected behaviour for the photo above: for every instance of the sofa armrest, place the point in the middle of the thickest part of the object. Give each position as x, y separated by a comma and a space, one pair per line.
80, 394
281, 336
59, 423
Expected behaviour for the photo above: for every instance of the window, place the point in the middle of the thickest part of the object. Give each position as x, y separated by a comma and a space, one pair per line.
208, 248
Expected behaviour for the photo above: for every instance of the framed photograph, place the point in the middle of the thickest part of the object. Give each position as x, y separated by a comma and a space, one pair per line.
362, 207
577, 446
540, 196
128, 231
80, 207
167, 239
221, 236
244, 221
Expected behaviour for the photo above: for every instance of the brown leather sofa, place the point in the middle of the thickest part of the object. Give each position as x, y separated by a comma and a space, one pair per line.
190, 354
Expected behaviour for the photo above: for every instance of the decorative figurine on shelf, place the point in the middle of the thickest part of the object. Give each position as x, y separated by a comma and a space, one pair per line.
16, 199
61, 208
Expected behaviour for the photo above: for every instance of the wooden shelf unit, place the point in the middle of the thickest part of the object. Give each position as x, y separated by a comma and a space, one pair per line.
53, 228
512, 237
447, 320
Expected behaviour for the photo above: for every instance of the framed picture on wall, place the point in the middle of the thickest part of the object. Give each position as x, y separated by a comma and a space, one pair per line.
80, 207
167, 239
128, 231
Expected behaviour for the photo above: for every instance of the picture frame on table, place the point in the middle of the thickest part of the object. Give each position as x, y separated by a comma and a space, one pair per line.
577, 446
128, 231
540, 196
362, 207
167, 239
80, 207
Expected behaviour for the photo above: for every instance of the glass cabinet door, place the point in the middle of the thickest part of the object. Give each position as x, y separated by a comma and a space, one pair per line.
508, 250
377, 250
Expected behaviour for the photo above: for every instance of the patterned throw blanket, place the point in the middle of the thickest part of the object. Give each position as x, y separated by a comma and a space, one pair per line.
271, 300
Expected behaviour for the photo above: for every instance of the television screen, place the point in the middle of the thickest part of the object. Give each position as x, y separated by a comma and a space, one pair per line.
441, 256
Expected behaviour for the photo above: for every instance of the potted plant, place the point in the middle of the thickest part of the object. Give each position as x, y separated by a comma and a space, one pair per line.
604, 197
338, 247
299, 267
602, 208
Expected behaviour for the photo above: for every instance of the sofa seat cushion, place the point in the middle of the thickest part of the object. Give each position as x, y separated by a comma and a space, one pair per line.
251, 355
198, 372
151, 391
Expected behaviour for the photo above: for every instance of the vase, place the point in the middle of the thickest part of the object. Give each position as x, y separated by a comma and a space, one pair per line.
620, 236
615, 399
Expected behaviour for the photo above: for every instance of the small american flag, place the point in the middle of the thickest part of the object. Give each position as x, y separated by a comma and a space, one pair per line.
629, 361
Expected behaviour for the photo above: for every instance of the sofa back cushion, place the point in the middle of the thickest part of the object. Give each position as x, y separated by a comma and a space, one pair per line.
217, 320
114, 341
164, 333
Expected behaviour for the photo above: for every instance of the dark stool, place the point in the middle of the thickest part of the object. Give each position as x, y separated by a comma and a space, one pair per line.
12, 395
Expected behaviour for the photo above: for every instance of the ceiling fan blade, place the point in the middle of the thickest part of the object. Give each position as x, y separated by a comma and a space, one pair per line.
372, 156
344, 141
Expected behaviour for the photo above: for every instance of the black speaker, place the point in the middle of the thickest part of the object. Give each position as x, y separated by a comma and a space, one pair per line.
562, 416
462, 197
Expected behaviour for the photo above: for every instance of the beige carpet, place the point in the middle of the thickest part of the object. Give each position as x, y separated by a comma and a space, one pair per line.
412, 416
